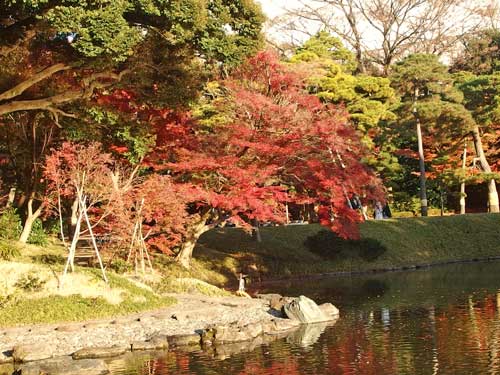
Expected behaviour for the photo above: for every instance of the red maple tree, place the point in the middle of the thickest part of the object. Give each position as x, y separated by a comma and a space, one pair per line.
278, 145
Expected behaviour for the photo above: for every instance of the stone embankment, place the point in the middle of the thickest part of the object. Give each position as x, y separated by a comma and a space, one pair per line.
225, 325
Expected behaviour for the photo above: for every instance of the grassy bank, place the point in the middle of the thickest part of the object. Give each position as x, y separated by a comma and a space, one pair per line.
307, 249
31, 292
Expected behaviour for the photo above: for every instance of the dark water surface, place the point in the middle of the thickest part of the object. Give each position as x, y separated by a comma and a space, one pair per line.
443, 320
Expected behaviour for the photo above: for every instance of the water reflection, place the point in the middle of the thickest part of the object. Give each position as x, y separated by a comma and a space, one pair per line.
443, 320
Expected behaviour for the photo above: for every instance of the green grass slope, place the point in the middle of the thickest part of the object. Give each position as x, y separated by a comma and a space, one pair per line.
399, 243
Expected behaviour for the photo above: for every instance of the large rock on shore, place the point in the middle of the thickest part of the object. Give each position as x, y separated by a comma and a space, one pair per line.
305, 310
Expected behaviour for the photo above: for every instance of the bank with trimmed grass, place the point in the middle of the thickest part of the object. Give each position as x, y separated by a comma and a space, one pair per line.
299, 250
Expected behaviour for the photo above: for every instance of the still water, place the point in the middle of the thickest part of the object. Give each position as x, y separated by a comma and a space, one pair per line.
443, 320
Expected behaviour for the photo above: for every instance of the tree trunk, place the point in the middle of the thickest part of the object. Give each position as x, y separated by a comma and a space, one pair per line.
492, 188
74, 217
12, 196
30, 219
186, 252
421, 162
462, 185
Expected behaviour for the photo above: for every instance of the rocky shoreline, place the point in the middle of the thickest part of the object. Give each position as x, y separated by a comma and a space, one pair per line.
221, 324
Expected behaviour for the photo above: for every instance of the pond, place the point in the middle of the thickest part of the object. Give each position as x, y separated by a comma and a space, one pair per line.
442, 320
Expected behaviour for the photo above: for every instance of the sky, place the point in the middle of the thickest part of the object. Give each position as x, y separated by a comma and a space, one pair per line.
273, 8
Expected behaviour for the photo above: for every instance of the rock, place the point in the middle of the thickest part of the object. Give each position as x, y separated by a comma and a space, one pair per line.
268, 296
149, 320
35, 352
7, 369
69, 328
304, 310
123, 320
102, 352
253, 329
6, 356
159, 341
329, 310
93, 325
184, 340
235, 333
307, 334
282, 325
225, 334
66, 366
142, 345
279, 304
208, 336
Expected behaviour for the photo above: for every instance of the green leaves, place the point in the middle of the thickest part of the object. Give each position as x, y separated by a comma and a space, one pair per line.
98, 32
420, 72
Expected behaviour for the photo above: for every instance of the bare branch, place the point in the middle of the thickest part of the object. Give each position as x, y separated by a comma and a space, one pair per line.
33, 80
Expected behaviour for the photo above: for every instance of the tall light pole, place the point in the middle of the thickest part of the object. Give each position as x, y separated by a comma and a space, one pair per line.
421, 161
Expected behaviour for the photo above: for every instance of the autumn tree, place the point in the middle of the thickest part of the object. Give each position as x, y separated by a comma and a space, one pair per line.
277, 144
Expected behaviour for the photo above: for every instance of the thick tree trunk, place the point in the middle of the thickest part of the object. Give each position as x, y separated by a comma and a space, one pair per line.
492, 188
186, 252
30, 219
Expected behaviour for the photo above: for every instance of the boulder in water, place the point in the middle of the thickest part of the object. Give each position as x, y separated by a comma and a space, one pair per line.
305, 310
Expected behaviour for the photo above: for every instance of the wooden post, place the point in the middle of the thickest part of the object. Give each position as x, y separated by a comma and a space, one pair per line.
83, 208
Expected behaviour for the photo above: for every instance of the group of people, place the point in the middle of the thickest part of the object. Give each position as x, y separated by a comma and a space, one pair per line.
381, 211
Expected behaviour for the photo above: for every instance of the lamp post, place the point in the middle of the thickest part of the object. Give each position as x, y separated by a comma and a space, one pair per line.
421, 161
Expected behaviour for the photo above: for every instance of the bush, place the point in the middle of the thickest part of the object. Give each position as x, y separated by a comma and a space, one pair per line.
327, 245
38, 235
49, 259
30, 283
8, 250
8, 299
120, 266
10, 224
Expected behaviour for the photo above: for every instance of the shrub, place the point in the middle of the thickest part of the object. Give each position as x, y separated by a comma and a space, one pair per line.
8, 250
49, 259
10, 224
327, 244
38, 235
8, 299
30, 283
120, 266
